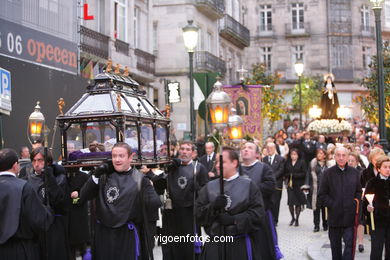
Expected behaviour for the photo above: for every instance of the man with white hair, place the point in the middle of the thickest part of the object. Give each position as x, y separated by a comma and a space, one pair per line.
339, 190
208, 160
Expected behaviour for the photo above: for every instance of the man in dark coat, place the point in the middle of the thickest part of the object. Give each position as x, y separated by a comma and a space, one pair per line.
208, 160
22, 215
261, 174
183, 180
56, 239
238, 212
308, 147
277, 164
339, 187
123, 198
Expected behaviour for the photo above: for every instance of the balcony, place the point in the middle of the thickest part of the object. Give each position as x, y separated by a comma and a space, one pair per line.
234, 31
93, 42
265, 30
211, 8
205, 61
367, 31
122, 47
297, 30
145, 61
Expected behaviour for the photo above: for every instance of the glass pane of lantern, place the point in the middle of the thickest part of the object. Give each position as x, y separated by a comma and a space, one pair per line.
124, 105
134, 104
132, 139
89, 104
149, 107
162, 141
74, 138
109, 133
147, 146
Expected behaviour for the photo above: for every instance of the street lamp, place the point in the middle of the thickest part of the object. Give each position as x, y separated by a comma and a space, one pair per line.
343, 112
377, 7
315, 112
36, 124
190, 36
299, 70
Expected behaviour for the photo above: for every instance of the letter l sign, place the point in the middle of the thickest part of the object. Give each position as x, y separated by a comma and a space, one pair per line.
86, 16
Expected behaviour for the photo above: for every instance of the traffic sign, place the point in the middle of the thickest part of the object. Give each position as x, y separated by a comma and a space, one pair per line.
5, 92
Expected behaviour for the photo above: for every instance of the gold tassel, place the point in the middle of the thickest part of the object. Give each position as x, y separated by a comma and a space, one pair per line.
290, 183
326, 213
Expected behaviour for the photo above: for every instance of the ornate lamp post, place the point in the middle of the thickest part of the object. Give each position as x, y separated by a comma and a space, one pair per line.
190, 36
377, 7
218, 104
299, 70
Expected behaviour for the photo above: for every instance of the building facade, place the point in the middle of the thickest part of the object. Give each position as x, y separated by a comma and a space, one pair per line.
328, 36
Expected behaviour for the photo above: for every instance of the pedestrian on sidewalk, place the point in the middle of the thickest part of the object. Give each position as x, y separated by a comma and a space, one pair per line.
339, 187
380, 186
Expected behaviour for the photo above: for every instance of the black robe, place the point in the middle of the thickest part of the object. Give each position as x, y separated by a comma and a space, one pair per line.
262, 175
57, 235
246, 205
182, 188
22, 218
120, 198
78, 213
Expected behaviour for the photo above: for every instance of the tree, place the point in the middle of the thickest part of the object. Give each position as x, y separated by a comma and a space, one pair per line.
369, 101
272, 99
311, 93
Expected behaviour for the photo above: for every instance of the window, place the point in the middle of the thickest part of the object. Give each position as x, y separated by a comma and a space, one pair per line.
387, 13
136, 25
366, 57
120, 17
341, 55
50, 5
155, 38
209, 42
365, 13
265, 18
297, 53
297, 16
265, 57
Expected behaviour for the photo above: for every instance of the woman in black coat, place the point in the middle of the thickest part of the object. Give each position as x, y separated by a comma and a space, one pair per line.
380, 186
295, 172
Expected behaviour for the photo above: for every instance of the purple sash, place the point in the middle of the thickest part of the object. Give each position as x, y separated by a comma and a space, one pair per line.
248, 245
132, 227
278, 253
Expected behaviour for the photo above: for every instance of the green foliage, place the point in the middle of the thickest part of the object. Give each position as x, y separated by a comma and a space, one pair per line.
369, 101
311, 93
272, 100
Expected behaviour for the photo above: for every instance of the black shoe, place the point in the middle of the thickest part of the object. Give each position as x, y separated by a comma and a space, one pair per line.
292, 222
316, 229
296, 223
361, 248
325, 228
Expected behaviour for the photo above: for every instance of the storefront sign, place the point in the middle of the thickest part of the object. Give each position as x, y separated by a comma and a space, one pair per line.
29, 45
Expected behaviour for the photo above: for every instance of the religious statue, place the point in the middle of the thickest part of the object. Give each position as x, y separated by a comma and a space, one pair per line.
329, 99
109, 66
61, 104
119, 102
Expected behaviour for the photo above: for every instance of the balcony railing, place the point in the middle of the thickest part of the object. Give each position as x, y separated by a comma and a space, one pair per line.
212, 8
145, 61
94, 43
122, 47
205, 61
234, 31
367, 31
297, 29
265, 30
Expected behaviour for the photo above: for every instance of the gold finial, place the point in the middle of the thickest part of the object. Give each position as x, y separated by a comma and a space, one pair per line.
168, 110
119, 102
109, 66
117, 68
61, 104
126, 73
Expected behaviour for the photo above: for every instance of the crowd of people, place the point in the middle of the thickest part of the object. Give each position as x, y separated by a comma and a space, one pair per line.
50, 213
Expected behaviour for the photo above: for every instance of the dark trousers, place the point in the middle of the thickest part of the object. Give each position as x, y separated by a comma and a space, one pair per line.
276, 197
379, 237
335, 235
316, 217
